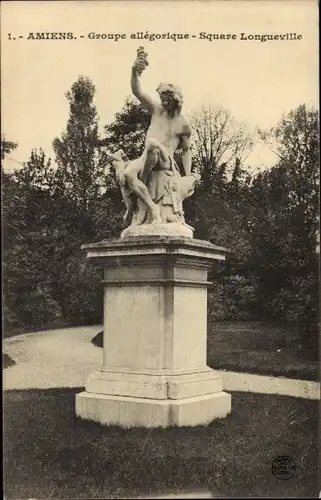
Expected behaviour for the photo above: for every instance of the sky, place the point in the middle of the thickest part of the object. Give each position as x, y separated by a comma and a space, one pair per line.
257, 81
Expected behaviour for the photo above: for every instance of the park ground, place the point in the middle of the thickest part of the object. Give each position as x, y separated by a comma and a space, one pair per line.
263, 348
49, 453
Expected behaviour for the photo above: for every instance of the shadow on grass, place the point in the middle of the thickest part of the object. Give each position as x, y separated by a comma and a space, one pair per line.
50, 453
7, 361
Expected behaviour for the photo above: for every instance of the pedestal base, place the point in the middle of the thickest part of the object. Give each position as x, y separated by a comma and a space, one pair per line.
154, 384
141, 412
154, 371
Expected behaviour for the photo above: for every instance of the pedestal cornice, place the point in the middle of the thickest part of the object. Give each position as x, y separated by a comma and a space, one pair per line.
136, 247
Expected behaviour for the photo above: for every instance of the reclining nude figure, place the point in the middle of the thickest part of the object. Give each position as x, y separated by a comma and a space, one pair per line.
167, 129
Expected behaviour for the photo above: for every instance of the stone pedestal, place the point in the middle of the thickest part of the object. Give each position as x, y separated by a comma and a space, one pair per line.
154, 371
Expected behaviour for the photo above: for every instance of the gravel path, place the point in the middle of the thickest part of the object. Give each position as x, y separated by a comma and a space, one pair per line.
65, 357
54, 358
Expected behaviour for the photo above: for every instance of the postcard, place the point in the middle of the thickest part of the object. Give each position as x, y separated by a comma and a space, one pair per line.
160, 209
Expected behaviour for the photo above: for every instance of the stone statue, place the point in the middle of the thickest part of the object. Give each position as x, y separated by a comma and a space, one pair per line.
152, 187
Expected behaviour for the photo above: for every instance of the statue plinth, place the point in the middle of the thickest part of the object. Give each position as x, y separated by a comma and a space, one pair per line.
154, 371
173, 229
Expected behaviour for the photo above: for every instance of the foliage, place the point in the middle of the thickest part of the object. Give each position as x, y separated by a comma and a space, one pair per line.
284, 224
231, 298
27, 260
219, 145
7, 147
37, 173
128, 129
80, 163
219, 142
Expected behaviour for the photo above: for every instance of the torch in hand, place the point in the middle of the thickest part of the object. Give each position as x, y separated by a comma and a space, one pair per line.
141, 60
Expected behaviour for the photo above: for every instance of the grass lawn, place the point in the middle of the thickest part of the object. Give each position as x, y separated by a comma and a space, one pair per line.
260, 347
256, 347
49, 453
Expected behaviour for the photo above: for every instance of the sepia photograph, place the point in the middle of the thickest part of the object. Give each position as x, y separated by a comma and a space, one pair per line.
160, 249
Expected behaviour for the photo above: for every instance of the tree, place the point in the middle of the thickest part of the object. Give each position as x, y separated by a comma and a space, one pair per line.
295, 140
37, 173
219, 145
10, 195
7, 147
9, 190
219, 142
218, 210
285, 219
81, 179
80, 162
29, 220
128, 130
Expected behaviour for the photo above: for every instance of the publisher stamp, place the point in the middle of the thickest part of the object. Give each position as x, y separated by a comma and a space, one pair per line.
283, 467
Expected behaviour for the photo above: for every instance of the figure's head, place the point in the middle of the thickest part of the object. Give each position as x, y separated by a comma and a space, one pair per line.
171, 97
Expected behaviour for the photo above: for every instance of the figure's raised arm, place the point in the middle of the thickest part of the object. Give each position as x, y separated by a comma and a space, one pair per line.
137, 68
